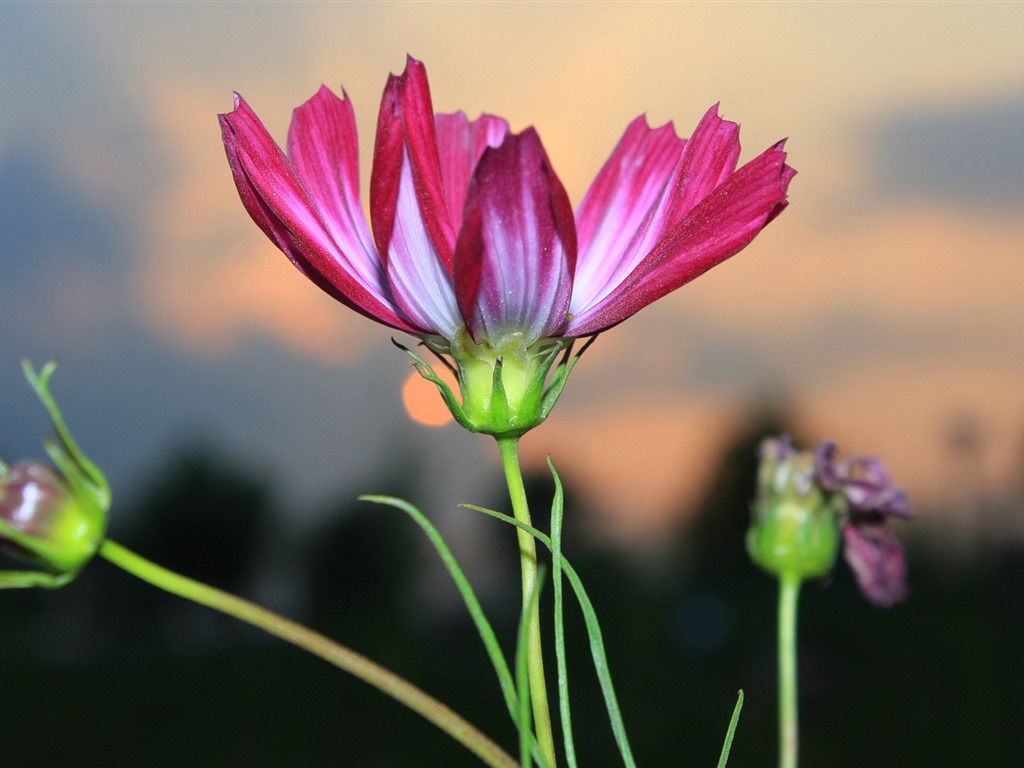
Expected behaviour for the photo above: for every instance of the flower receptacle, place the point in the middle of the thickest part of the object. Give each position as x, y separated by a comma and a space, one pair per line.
503, 389
505, 392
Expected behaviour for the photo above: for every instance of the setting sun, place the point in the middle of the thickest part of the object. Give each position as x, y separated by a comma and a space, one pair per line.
422, 401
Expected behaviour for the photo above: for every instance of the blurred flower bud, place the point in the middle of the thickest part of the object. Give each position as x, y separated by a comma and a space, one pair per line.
43, 522
804, 499
794, 530
52, 516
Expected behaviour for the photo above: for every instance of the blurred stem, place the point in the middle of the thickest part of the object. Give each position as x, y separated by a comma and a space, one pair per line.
509, 447
789, 592
340, 656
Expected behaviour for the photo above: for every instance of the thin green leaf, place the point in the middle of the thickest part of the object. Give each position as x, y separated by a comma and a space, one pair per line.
597, 651
483, 626
523, 674
557, 508
732, 731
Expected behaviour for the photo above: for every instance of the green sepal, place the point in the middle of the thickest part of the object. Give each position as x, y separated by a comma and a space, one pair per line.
26, 579
424, 369
499, 411
554, 390
81, 474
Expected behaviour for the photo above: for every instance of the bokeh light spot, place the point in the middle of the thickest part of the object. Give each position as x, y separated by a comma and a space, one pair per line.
423, 402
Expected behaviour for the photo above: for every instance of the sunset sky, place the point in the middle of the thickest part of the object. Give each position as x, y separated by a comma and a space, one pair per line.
884, 307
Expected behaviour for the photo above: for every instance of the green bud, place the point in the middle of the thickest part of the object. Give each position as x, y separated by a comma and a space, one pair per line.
794, 528
43, 522
52, 516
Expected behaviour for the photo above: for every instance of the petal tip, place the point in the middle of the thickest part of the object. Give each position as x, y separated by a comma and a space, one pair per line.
412, 64
238, 105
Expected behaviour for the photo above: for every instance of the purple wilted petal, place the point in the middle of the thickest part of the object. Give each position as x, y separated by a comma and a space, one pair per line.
776, 449
876, 558
863, 481
279, 203
516, 252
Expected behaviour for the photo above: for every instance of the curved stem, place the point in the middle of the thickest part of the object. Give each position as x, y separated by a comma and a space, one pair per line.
789, 592
332, 652
509, 447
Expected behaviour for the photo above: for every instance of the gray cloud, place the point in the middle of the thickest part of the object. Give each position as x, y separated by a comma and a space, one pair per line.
971, 155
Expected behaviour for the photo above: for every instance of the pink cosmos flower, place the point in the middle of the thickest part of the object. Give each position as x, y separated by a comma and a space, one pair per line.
470, 227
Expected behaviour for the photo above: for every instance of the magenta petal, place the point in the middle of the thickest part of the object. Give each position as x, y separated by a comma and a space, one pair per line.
405, 134
322, 144
876, 558
717, 228
281, 206
460, 143
410, 218
615, 220
421, 285
708, 159
516, 252
651, 181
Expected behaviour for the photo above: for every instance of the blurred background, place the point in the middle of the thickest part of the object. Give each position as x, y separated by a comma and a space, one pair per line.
238, 411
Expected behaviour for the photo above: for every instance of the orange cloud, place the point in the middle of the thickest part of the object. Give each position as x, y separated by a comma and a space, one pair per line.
640, 464
209, 278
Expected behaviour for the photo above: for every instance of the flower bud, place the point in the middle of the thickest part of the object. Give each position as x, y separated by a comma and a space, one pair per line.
804, 499
43, 522
53, 517
794, 530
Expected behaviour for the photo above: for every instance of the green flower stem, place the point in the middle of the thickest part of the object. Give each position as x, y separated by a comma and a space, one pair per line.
789, 592
338, 655
509, 447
